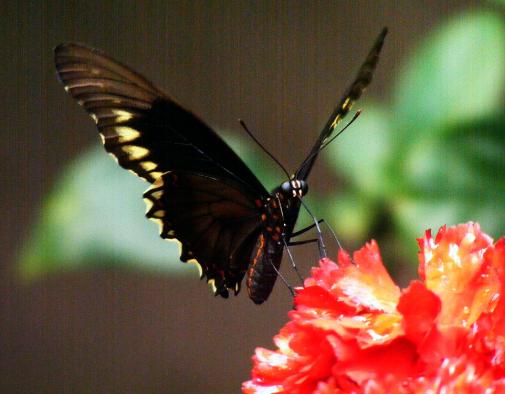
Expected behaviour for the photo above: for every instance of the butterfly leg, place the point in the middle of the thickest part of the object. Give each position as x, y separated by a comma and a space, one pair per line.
284, 280
305, 241
322, 246
291, 259
304, 230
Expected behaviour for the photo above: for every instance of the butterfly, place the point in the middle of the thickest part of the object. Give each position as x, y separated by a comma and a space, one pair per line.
202, 194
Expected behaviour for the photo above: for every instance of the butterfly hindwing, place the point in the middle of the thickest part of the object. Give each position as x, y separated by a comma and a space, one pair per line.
214, 220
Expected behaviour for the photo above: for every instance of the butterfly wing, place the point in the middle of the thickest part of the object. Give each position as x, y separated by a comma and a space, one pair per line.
353, 93
145, 130
215, 222
212, 208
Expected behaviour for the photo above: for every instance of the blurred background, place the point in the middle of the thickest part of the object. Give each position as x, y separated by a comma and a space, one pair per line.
93, 301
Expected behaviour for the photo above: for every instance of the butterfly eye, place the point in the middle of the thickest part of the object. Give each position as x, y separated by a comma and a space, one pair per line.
287, 188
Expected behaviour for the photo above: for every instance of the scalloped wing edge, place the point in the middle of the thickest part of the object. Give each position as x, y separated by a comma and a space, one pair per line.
154, 212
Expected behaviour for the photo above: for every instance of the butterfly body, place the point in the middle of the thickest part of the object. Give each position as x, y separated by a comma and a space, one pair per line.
278, 220
202, 194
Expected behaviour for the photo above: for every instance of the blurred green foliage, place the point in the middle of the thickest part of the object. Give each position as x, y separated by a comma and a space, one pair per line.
94, 217
435, 156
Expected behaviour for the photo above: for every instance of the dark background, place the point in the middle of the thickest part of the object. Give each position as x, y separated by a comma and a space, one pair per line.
279, 65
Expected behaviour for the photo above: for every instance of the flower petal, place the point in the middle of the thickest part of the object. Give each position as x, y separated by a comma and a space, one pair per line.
398, 358
419, 307
364, 284
452, 266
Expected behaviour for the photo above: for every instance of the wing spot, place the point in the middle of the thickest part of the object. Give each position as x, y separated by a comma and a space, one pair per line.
346, 103
156, 174
157, 194
126, 134
159, 214
148, 165
158, 183
122, 116
149, 204
212, 284
135, 152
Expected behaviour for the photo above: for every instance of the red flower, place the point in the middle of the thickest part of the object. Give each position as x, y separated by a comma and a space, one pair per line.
354, 331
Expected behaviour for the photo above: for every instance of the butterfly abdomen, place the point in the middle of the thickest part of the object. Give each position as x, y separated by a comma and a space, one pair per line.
267, 254
262, 272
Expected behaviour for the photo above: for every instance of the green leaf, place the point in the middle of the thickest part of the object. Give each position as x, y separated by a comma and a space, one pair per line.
95, 217
467, 162
364, 153
457, 74
455, 178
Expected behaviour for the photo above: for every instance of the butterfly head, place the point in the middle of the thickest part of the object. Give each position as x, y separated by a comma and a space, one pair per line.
295, 188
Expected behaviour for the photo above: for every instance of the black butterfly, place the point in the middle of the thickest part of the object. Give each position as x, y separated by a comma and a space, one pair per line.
202, 194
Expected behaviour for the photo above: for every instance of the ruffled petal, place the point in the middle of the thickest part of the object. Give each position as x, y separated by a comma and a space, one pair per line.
419, 308
453, 267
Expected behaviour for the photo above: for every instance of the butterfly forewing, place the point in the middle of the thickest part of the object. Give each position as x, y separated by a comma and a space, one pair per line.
145, 130
353, 93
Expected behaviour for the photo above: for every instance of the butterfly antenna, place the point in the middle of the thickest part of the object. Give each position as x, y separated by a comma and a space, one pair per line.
322, 246
242, 123
325, 144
